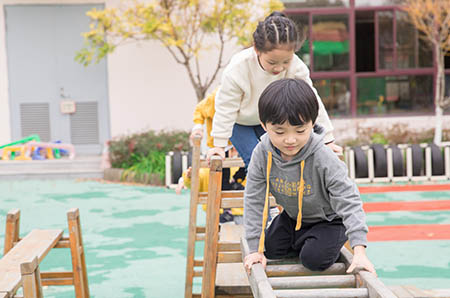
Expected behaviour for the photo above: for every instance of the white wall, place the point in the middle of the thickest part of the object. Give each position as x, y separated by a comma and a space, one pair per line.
149, 90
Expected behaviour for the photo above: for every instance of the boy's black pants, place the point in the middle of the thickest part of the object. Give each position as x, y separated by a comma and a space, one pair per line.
317, 244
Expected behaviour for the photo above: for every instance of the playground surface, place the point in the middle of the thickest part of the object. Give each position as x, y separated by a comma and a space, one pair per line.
135, 237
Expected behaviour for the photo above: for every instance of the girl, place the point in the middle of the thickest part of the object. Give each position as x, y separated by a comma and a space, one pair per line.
249, 72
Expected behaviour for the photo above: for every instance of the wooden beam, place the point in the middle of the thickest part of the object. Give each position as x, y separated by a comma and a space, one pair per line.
227, 163
257, 278
212, 227
192, 229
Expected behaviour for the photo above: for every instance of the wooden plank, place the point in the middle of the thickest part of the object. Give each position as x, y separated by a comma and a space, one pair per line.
212, 228
312, 282
192, 229
231, 232
400, 292
257, 278
231, 279
323, 293
416, 292
36, 243
375, 287
229, 257
300, 270
229, 246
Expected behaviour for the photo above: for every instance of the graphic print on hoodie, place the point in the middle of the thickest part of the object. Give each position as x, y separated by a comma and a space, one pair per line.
328, 192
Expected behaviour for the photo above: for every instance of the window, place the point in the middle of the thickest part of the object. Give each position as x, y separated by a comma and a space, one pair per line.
330, 36
412, 50
394, 95
385, 39
335, 95
302, 21
315, 3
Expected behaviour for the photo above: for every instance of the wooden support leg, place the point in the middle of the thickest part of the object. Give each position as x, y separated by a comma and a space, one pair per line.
77, 251
31, 279
212, 228
12, 229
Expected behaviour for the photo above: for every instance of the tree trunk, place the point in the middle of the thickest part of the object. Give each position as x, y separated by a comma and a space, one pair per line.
439, 96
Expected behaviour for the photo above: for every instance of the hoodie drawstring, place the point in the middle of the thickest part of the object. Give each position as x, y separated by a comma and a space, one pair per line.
266, 204
300, 197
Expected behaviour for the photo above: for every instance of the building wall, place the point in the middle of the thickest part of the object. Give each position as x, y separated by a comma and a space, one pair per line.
149, 90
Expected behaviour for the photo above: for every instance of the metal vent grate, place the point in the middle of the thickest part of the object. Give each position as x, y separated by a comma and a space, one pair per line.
84, 124
35, 119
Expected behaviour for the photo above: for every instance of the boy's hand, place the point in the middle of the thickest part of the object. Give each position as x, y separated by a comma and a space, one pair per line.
336, 148
360, 261
215, 151
254, 258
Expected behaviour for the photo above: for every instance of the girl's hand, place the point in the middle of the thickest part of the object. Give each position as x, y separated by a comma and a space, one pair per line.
195, 132
215, 151
360, 261
254, 258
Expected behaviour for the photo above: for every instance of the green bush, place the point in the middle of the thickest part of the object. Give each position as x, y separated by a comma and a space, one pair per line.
145, 152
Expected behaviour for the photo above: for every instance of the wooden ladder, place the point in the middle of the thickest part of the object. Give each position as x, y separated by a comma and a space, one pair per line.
220, 247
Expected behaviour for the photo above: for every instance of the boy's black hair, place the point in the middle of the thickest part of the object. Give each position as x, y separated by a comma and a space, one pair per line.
288, 99
277, 30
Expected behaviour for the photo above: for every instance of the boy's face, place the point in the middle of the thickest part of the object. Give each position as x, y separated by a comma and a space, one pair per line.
287, 138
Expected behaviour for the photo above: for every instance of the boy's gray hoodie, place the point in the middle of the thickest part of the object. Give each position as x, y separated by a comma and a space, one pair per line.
328, 191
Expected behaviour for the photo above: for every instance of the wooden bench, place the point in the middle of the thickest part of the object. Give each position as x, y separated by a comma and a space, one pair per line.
37, 244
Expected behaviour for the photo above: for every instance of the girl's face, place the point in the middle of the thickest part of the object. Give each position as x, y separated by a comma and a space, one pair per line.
276, 60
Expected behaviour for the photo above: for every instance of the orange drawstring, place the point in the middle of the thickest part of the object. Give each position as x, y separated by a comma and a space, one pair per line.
300, 197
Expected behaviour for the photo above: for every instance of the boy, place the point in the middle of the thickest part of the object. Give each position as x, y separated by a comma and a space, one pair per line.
321, 204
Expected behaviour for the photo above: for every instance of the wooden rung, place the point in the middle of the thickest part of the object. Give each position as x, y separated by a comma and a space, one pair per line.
225, 194
229, 246
57, 278
198, 263
199, 237
227, 163
300, 270
198, 273
200, 229
229, 257
64, 242
312, 282
323, 293
233, 202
